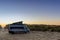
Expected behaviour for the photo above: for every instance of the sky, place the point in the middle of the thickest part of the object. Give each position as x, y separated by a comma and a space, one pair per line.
30, 11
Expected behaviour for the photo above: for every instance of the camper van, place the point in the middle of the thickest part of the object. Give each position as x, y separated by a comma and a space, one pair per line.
18, 28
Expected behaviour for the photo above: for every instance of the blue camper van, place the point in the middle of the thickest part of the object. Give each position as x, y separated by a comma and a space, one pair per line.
18, 28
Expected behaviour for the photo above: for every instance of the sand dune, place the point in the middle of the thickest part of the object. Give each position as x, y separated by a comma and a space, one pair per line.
33, 35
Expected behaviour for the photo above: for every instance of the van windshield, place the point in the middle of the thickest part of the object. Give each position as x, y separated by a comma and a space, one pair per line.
16, 27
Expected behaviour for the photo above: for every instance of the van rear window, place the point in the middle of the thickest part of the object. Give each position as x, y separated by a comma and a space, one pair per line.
16, 27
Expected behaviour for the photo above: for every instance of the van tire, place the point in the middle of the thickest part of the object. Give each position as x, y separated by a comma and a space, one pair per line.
11, 32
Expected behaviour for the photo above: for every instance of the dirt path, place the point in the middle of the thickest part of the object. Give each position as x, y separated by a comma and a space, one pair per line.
33, 35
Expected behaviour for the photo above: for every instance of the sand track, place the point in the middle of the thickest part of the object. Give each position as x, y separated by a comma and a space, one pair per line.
33, 35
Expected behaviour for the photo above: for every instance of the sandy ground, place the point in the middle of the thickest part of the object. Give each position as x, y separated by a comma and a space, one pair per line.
33, 35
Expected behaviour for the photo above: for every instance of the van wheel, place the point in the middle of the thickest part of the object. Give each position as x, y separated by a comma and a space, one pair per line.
25, 32
11, 32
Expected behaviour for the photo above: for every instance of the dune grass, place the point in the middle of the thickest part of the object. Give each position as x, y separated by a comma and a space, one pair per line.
44, 28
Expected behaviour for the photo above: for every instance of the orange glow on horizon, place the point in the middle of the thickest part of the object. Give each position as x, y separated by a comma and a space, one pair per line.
37, 22
44, 22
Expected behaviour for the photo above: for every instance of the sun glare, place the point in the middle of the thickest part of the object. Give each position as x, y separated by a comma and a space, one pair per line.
3, 25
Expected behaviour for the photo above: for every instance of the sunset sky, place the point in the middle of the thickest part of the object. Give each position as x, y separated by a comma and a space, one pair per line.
30, 11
